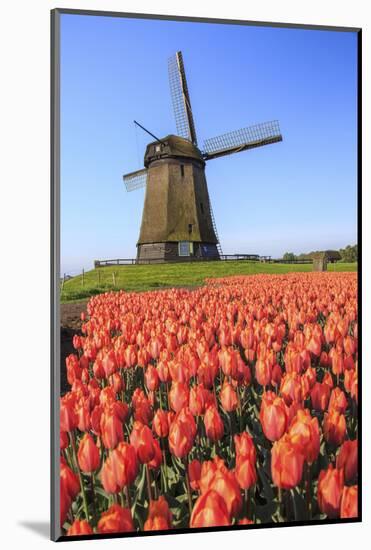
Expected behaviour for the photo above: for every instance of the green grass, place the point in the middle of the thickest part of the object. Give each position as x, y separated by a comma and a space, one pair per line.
153, 277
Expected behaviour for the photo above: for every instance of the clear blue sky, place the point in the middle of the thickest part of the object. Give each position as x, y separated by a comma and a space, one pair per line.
298, 195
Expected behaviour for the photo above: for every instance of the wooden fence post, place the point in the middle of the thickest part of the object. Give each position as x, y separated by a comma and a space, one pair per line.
114, 278
83, 275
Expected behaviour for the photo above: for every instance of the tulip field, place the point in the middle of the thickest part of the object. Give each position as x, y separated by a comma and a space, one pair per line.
231, 404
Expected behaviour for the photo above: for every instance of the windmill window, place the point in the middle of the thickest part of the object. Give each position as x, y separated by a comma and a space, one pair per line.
202, 207
184, 248
182, 170
190, 228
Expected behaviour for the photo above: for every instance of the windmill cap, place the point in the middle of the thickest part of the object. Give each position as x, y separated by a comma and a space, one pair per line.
171, 146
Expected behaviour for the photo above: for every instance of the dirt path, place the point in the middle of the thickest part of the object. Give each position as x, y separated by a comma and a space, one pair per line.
70, 325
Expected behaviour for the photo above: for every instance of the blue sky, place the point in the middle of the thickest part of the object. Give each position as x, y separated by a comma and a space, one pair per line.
298, 195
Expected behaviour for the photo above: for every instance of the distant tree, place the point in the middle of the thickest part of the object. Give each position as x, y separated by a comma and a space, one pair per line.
349, 253
289, 256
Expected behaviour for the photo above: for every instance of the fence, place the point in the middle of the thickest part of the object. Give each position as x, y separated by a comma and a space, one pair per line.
222, 257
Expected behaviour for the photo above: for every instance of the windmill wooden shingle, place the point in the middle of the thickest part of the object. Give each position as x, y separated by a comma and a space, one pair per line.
177, 219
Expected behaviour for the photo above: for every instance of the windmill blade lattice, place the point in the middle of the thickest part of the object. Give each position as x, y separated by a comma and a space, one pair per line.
240, 140
180, 97
135, 180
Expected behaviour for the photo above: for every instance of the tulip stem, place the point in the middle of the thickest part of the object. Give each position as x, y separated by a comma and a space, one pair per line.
164, 468
93, 498
148, 477
308, 490
128, 500
188, 488
85, 502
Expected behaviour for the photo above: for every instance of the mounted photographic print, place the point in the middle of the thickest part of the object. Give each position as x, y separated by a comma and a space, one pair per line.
205, 278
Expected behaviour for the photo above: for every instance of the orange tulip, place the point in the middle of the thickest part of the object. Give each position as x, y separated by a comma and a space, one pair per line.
111, 429
286, 464
334, 427
80, 527
159, 516
245, 446
349, 502
213, 424
245, 472
330, 489
338, 401
178, 395
116, 520
304, 435
228, 397
210, 510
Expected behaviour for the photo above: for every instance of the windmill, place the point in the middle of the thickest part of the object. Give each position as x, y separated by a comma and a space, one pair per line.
178, 220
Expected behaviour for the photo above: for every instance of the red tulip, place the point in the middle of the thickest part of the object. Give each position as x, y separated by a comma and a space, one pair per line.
88, 454
181, 437
194, 474
142, 440
273, 416
161, 423
320, 396
348, 459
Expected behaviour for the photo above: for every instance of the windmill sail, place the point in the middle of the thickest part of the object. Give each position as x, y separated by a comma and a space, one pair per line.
180, 98
135, 180
240, 140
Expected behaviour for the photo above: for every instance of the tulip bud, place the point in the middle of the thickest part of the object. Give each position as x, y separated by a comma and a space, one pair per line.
161, 423
194, 474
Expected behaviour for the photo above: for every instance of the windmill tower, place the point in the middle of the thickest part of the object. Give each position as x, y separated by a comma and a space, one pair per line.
177, 220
